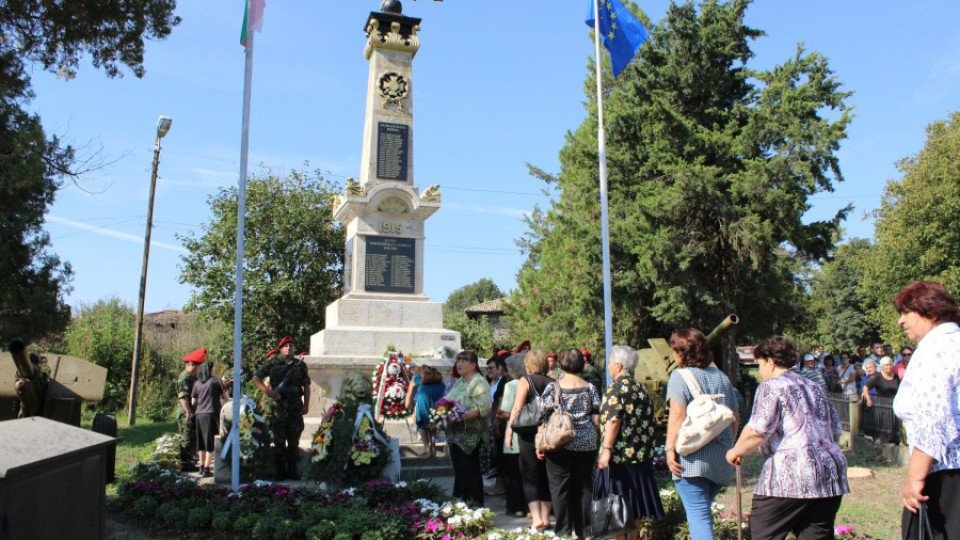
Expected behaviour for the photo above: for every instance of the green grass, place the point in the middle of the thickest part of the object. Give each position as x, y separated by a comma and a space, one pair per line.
136, 443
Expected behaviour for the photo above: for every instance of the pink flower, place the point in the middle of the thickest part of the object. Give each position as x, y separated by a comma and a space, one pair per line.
843, 529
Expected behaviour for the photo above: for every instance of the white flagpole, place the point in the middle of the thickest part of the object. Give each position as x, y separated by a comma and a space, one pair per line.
241, 218
604, 217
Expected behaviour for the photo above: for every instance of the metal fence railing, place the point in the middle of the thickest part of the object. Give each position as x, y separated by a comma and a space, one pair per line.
841, 402
879, 420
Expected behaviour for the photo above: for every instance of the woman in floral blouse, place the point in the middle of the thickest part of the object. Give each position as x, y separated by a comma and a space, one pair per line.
804, 475
464, 437
627, 445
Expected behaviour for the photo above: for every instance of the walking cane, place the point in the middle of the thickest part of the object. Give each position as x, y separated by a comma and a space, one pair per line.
739, 507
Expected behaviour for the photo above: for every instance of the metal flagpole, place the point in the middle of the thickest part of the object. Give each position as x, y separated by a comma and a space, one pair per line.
241, 218
604, 217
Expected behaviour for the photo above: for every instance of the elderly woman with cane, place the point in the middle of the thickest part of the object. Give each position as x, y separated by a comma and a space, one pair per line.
796, 427
928, 402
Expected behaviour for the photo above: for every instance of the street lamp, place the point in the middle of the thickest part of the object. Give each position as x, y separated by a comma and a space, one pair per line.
163, 126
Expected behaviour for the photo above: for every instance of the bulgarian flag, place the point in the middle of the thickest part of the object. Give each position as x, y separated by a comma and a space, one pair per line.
254, 10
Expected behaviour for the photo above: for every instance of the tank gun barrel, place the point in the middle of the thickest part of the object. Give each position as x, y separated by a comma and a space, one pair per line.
728, 323
20, 359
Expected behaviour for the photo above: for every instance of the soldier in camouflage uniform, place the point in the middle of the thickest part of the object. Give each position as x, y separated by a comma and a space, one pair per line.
288, 399
185, 418
553, 367
593, 374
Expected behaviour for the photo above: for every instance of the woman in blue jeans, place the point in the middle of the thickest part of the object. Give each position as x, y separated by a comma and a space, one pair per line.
701, 475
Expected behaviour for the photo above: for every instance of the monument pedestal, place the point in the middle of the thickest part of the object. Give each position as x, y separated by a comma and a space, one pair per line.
384, 214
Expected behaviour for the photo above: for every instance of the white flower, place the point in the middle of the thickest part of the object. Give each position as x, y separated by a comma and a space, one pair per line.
454, 520
401, 484
349, 491
262, 483
494, 536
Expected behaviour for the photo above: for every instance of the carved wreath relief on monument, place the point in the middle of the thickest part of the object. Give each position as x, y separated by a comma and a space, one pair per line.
393, 205
393, 89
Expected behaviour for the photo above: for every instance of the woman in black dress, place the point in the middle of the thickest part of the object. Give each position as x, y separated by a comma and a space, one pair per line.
886, 382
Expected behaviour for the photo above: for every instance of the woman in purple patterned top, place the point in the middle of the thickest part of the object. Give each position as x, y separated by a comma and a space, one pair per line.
796, 427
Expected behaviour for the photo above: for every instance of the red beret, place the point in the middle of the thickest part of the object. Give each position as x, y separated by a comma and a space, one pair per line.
525, 344
284, 341
586, 353
551, 355
198, 356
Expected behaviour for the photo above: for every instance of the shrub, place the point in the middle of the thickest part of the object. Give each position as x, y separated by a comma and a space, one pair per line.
324, 530
199, 518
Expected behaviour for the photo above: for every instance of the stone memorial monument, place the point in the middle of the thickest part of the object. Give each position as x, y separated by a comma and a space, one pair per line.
384, 213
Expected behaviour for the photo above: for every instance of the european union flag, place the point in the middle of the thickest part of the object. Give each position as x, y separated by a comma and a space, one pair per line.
621, 32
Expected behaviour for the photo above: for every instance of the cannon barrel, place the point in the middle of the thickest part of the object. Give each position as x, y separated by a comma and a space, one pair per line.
20, 359
728, 323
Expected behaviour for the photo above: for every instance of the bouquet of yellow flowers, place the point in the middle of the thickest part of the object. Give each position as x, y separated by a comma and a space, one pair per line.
365, 449
319, 446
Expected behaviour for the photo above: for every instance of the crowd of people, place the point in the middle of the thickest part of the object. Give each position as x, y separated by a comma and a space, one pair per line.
867, 376
612, 440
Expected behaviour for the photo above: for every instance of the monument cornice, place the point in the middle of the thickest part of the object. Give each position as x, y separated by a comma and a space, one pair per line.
358, 203
393, 33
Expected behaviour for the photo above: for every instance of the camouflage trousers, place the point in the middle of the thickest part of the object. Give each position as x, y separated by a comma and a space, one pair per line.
285, 430
188, 437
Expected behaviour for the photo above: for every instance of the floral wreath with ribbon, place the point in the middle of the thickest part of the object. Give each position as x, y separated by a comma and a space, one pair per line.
390, 382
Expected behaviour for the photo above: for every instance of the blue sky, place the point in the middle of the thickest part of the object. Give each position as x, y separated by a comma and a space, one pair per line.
497, 84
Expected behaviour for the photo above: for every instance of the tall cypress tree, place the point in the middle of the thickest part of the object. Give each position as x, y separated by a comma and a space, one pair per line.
711, 165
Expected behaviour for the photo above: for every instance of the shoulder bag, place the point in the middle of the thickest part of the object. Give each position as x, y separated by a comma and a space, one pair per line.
558, 430
706, 418
529, 419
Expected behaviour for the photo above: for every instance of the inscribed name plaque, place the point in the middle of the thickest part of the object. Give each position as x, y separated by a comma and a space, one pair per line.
390, 264
392, 148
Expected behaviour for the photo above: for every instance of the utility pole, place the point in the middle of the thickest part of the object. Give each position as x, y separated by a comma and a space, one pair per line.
163, 126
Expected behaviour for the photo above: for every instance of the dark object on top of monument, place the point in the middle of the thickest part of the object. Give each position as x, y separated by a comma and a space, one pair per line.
394, 6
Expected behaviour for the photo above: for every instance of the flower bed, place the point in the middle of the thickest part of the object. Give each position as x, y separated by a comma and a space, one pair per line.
160, 498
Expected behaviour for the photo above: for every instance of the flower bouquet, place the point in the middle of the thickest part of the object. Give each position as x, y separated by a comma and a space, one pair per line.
365, 448
444, 413
319, 445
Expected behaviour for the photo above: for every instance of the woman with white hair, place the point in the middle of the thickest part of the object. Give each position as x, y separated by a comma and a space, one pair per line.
886, 382
628, 443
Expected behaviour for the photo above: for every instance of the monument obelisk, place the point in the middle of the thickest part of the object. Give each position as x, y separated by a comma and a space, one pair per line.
384, 213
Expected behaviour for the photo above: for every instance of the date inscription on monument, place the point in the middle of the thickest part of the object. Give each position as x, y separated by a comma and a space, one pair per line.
390, 264
392, 150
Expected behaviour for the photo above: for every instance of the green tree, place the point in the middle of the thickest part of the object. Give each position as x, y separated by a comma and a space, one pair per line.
52, 35
836, 304
916, 234
102, 333
711, 165
475, 334
293, 259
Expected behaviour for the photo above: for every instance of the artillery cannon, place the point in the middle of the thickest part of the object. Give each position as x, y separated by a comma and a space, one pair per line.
656, 364
54, 386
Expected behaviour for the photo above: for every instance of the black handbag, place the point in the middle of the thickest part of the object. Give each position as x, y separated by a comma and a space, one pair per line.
916, 526
610, 513
529, 418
